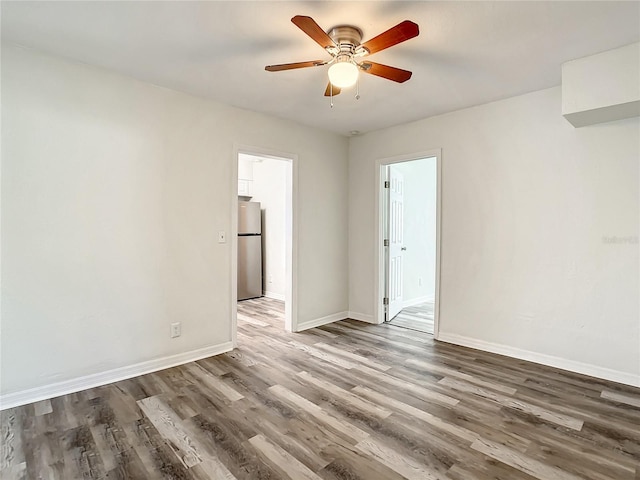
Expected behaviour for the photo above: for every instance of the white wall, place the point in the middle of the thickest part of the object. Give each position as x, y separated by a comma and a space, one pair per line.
113, 191
602, 87
540, 224
269, 188
419, 229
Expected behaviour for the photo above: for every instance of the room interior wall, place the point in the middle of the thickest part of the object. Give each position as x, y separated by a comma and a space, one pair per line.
419, 230
113, 194
114, 190
539, 245
269, 188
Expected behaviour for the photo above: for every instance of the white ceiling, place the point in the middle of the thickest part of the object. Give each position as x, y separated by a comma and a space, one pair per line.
467, 53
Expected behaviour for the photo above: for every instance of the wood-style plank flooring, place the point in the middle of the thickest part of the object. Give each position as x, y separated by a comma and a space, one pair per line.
345, 401
418, 317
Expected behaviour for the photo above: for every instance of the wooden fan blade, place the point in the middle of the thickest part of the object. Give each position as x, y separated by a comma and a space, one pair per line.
311, 28
395, 35
327, 92
291, 66
385, 71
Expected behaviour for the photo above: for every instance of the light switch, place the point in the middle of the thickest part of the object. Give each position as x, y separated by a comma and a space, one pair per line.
222, 237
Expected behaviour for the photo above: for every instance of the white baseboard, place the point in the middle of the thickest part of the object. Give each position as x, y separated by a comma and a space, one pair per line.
362, 317
52, 390
418, 301
548, 360
318, 322
275, 296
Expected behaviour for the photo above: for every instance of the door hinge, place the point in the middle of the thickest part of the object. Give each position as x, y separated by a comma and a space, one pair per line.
386, 242
387, 184
385, 301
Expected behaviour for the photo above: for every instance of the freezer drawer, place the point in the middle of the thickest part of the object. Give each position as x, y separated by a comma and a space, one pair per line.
249, 266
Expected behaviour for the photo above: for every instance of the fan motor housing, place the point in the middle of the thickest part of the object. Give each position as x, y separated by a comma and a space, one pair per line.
347, 37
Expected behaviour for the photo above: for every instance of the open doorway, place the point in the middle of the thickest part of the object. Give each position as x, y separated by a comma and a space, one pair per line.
408, 219
263, 220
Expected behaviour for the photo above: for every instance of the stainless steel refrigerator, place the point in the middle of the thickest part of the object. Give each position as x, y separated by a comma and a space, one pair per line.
249, 250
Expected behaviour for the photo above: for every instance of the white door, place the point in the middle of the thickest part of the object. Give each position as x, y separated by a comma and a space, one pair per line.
395, 249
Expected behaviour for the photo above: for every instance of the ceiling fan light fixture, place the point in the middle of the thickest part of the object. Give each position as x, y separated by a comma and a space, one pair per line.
343, 73
343, 43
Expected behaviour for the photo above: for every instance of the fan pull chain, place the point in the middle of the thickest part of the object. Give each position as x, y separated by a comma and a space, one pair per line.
331, 93
358, 88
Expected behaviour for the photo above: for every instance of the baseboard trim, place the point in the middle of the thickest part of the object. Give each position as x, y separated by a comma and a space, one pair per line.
66, 387
275, 296
418, 301
361, 317
318, 322
548, 360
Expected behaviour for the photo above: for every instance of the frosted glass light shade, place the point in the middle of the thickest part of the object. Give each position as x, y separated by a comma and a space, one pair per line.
343, 74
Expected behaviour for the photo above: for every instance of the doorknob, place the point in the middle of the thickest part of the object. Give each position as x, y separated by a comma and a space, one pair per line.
403, 249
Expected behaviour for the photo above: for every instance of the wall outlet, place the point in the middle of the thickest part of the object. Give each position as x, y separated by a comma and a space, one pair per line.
419, 281
270, 278
176, 330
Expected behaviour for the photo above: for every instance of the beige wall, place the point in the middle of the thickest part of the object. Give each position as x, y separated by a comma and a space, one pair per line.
270, 189
528, 205
113, 192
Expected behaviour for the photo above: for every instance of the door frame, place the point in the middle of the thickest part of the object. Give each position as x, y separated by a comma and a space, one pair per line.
291, 236
379, 205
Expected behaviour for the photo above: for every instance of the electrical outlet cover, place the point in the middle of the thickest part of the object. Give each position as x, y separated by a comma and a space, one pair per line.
176, 330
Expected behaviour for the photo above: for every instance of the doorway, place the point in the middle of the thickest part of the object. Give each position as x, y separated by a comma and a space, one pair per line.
263, 240
408, 217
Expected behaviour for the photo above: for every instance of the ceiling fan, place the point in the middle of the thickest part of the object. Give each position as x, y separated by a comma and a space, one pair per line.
343, 44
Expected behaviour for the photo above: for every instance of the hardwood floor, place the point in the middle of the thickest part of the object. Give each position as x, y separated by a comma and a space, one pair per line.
345, 401
418, 317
